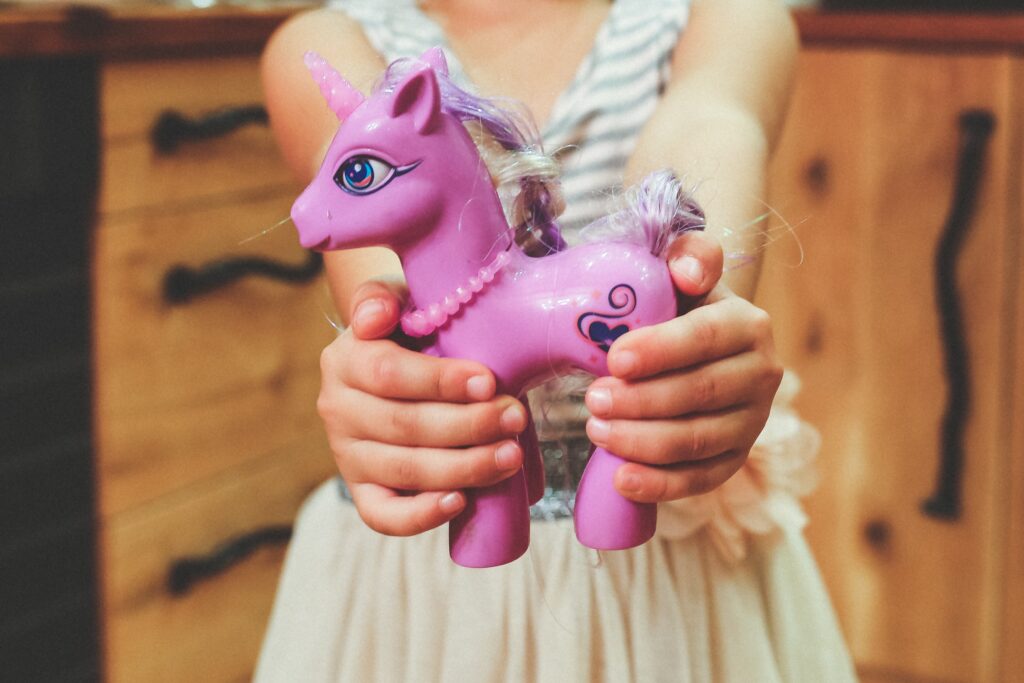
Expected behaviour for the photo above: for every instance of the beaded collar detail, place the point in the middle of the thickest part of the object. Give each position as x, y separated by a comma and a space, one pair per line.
421, 322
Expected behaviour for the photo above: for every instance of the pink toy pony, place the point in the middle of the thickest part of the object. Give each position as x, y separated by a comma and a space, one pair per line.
404, 172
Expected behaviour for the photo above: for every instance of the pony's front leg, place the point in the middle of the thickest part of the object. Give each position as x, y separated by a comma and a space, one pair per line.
494, 529
605, 520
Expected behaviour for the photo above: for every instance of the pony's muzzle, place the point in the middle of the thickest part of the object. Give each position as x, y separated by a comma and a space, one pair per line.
313, 232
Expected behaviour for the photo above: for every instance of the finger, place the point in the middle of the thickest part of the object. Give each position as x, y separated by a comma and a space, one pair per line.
434, 425
385, 369
731, 381
646, 484
664, 442
375, 308
388, 512
695, 261
429, 469
717, 330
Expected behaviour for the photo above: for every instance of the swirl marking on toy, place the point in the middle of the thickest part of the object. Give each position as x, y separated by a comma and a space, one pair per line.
622, 298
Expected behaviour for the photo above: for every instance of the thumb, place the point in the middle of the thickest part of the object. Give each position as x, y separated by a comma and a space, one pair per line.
695, 261
375, 308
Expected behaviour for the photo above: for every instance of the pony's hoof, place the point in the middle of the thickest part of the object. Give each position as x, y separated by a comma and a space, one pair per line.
605, 520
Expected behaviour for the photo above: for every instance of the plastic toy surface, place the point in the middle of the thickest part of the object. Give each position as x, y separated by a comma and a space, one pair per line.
403, 172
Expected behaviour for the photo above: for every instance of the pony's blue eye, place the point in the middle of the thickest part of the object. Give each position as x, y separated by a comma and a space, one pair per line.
363, 174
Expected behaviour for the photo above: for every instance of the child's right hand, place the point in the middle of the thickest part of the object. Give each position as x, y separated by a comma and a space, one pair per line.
409, 430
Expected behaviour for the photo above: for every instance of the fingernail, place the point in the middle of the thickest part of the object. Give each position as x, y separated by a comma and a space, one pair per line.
622, 363
507, 456
479, 387
599, 400
368, 309
630, 481
450, 503
513, 419
598, 430
690, 268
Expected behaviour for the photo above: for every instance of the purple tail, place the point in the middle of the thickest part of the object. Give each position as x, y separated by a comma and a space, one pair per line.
657, 210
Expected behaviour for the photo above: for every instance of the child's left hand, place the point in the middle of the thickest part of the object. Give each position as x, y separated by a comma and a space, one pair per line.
687, 398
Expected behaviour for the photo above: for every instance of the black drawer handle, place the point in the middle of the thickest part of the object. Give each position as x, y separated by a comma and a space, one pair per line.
975, 130
188, 571
172, 128
184, 283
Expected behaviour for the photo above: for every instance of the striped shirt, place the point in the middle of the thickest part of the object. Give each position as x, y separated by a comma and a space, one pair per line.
595, 122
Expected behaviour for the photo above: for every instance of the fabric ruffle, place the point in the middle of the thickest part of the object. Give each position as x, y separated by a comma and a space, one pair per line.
763, 496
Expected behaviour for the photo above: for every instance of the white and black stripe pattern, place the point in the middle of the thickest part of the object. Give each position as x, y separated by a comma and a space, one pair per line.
595, 122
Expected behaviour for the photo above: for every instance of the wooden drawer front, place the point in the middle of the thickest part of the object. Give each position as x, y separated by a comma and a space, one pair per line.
186, 391
244, 162
866, 171
212, 632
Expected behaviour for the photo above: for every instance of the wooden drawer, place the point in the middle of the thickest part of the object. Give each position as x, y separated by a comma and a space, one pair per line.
186, 391
244, 162
212, 632
868, 161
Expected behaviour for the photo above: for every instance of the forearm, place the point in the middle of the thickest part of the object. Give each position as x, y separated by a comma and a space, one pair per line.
721, 115
721, 154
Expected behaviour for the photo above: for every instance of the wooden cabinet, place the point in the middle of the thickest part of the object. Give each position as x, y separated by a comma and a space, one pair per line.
205, 411
865, 177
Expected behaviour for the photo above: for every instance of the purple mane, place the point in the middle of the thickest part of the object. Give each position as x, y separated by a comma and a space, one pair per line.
538, 201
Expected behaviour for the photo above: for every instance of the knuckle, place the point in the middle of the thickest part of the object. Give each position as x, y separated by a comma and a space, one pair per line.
659, 487
761, 323
468, 467
441, 381
662, 453
403, 473
625, 442
343, 452
383, 370
401, 421
705, 390
486, 421
699, 481
449, 380
327, 360
325, 406
704, 331
697, 443
632, 401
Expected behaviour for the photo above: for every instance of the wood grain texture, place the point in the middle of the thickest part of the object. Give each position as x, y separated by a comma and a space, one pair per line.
235, 167
1012, 664
109, 30
184, 392
135, 91
902, 30
212, 633
866, 172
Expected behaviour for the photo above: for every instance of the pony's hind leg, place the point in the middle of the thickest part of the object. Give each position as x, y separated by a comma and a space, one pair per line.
533, 463
605, 520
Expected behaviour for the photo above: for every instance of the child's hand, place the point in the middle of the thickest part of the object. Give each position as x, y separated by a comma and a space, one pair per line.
692, 394
409, 430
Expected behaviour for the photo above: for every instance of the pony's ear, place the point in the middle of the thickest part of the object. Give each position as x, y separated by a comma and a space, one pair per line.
435, 58
419, 96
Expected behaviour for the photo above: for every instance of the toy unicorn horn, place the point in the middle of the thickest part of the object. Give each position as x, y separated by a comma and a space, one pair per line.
404, 172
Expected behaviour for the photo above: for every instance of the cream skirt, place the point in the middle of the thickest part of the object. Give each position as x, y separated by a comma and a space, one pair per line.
726, 592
